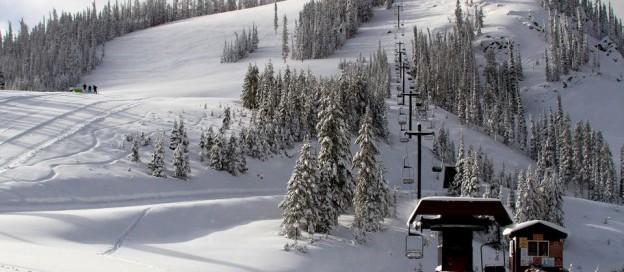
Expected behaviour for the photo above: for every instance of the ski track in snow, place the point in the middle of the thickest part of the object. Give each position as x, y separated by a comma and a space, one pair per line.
126, 233
10, 267
18, 159
8, 100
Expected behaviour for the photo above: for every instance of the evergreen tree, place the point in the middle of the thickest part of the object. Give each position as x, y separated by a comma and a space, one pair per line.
455, 188
371, 192
175, 137
285, 48
335, 154
250, 88
229, 159
241, 160
217, 154
301, 205
470, 186
157, 163
227, 119
522, 197
180, 163
135, 149
557, 190
622, 173
275, 19
459, 17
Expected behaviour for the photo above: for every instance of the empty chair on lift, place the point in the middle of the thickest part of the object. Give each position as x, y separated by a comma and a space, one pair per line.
400, 101
404, 138
407, 173
402, 116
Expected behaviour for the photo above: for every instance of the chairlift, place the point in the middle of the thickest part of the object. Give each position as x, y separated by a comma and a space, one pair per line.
404, 138
414, 245
400, 101
402, 117
407, 173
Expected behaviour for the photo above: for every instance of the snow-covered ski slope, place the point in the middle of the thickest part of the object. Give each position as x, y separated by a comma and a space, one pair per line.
71, 199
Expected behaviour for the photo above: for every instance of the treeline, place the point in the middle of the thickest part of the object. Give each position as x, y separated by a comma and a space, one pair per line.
291, 101
56, 52
324, 26
285, 109
446, 72
242, 45
570, 24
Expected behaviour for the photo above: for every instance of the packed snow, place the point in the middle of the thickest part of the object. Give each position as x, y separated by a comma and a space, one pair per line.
72, 200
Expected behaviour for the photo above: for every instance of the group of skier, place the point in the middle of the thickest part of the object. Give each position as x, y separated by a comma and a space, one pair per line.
89, 88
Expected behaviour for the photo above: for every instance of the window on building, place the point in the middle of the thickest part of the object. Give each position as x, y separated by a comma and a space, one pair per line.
538, 248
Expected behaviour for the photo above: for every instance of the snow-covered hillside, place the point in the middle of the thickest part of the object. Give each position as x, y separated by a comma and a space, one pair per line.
71, 199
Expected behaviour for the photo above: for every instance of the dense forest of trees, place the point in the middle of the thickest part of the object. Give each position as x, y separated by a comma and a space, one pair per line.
243, 45
570, 24
324, 26
576, 158
54, 54
446, 72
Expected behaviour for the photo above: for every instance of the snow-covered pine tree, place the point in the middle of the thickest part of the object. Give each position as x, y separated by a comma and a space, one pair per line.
302, 203
227, 120
557, 215
335, 154
209, 140
566, 164
522, 197
622, 173
275, 18
470, 186
184, 141
229, 160
370, 198
216, 154
534, 197
285, 48
459, 17
241, 160
157, 163
175, 137
250, 87
135, 148
455, 188
180, 163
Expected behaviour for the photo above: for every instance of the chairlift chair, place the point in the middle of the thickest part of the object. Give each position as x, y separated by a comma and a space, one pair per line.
414, 246
404, 138
407, 173
402, 116
400, 101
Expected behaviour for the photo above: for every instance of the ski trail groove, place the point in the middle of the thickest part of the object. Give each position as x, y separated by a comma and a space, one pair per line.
126, 233
15, 161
